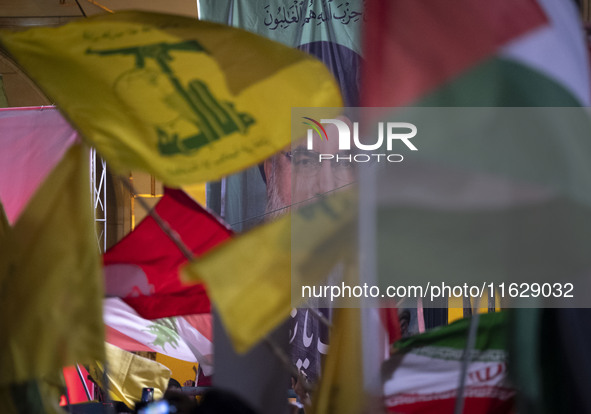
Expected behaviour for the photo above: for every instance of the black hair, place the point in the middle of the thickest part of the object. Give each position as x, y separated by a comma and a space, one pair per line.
173, 383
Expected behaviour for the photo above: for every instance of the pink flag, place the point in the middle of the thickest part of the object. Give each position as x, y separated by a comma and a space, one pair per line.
32, 140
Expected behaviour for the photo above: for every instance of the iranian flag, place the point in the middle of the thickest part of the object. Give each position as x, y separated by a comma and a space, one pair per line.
188, 337
422, 377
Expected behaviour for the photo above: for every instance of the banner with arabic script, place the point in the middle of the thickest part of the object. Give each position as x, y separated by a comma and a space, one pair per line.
329, 30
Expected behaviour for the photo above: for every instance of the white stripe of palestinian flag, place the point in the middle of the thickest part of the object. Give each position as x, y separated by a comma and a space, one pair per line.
187, 338
557, 50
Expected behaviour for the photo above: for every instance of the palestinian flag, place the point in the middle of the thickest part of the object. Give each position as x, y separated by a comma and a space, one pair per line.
422, 376
476, 53
506, 53
494, 192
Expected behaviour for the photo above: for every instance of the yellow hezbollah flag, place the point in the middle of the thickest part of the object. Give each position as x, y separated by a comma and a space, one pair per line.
186, 100
341, 385
50, 279
250, 278
128, 374
34, 396
248, 281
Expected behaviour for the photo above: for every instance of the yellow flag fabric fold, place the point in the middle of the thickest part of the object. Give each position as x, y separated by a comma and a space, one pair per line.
40, 396
186, 100
250, 278
341, 386
128, 373
50, 279
248, 281
4, 226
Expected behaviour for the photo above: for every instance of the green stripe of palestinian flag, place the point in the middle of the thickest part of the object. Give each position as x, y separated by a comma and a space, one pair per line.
501, 82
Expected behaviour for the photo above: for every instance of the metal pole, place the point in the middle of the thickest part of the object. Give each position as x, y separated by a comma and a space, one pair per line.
470, 342
164, 226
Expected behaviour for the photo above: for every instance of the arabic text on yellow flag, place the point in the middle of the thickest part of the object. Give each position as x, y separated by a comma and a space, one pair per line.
50, 279
186, 100
128, 373
341, 385
249, 278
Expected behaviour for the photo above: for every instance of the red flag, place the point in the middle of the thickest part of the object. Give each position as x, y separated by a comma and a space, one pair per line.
143, 267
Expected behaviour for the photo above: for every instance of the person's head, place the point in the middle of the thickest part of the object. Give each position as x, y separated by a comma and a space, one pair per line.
218, 401
404, 320
298, 174
182, 403
173, 385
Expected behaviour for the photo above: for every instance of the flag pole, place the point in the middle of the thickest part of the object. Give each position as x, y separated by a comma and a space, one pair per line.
470, 343
106, 396
164, 226
323, 319
173, 235
286, 362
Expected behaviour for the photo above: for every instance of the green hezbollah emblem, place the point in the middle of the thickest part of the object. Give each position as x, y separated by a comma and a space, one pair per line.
194, 103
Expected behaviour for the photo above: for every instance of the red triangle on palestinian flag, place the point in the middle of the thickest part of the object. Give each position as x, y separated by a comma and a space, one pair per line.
142, 268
